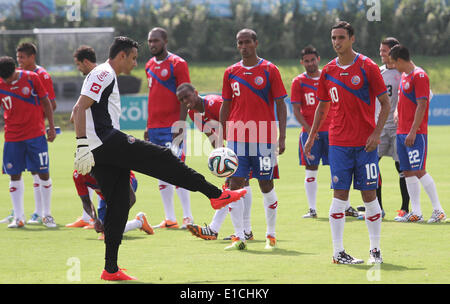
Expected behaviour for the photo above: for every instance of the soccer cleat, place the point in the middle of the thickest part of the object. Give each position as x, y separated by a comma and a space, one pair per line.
437, 216
49, 221
101, 236
167, 224
361, 208
351, 212
344, 258
16, 223
271, 243
119, 275
400, 214
227, 196
90, 225
79, 223
362, 215
187, 221
248, 236
8, 219
412, 218
145, 225
375, 257
237, 244
35, 219
202, 232
311, 214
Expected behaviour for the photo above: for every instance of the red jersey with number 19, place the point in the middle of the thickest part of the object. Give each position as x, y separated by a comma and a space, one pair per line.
304, 92
252, 91
414, 86
20, 100
352, 91
163, 79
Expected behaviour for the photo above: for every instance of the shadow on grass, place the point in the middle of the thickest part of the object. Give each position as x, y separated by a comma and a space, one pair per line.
382, 267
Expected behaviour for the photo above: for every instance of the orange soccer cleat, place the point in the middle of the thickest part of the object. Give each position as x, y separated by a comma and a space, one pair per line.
79, 223
227, 197
119, 275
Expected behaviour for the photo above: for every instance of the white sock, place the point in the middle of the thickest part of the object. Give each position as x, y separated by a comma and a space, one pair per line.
270, 208
185, 200
46, 194
373, 222
16, 190
237, 217
247, 209
218, 218
133, 224
37, 194
337, 223
166, 191
85, 217
413, 186
311, 187
430, 188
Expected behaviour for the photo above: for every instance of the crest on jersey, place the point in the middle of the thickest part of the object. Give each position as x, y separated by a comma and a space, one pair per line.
164, 72
259, 80
131, 139
356, 80
26, 91
407, 86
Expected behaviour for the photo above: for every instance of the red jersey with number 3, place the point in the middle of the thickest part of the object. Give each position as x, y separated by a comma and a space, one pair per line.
304, 93
21, 103
352, 91
163, 79
413, 86
252, 91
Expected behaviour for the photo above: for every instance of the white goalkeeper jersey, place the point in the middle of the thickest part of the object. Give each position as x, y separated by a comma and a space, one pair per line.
104, 114
391, 79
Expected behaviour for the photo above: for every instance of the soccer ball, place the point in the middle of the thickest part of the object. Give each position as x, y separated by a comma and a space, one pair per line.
222, 162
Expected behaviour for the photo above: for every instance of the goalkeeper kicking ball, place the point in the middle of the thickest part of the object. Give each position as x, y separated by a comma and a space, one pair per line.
222, 162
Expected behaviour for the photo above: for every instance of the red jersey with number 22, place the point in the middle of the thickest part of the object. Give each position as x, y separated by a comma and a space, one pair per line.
252, 91
352, 91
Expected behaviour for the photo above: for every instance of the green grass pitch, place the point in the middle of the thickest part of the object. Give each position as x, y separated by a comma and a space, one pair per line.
413, 253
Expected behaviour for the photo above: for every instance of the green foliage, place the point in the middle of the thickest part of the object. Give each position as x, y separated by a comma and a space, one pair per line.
424, 26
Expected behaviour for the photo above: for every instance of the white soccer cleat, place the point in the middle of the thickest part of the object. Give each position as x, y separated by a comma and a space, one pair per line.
344, 258
437, 216
49, 221
375, 257
8, 219
411, 218
16, 223
311, 214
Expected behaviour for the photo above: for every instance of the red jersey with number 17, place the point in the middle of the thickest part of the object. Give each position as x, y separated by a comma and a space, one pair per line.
352, 91
252, 91
304, 93
163, 79
20, 100
413, 86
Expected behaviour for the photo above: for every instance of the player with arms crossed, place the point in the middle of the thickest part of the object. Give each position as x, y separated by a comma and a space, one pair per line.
42, 185
348, 86
250, 90
204, 112
412, 135
23, 99
165, 71
111, 154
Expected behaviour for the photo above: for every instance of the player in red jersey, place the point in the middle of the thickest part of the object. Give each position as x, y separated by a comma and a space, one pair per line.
165, 72
250, 90
23, 97
26, 58
412, 133
85, 182
204, 111
349, 85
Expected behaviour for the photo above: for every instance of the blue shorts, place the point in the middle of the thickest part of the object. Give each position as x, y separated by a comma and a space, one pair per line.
347, 163
319, 150
258, 159
30, 154
163, 137
412, 158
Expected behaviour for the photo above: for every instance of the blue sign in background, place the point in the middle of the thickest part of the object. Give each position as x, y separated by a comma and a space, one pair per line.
134, 112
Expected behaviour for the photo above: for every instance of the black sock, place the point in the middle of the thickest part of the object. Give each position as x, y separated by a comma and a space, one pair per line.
379, 192
111, 254
403, 188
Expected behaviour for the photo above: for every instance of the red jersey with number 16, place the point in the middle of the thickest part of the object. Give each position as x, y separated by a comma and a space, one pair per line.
352, 91
304, 93
252, 91
20, 100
